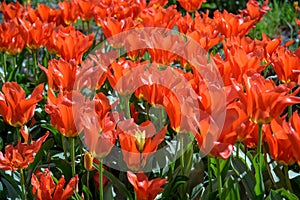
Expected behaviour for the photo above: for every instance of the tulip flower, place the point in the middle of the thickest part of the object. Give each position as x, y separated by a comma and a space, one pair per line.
85, 8
280, 145
15, 109
20, 156
44, 13
11, 40
286, 65
145, 189
35, 34
263, 99
69, 12
191, 5
69, 43
254, 11
61, 74
12, 10
138, 142
64, 111
44, 187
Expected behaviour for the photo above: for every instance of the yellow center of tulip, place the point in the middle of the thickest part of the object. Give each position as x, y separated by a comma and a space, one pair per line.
140, 139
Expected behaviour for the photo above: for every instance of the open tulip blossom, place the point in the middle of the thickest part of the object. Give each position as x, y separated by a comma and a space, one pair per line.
149, 99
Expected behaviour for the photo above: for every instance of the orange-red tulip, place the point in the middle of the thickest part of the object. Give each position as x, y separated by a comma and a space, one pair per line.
254, 11
286, 65
64, 111
20, 156
69, 12
69, 43
15, 109
145, 189
138, 142
61, 74
85, 8
44, 187
263, 99
280, 146
35, 34
12, 10
44, 13
191, 5
11, 40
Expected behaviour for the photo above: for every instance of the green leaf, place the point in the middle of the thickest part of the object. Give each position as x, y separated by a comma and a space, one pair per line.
247, 178
118, 184
281, 194
39, 156
11, 185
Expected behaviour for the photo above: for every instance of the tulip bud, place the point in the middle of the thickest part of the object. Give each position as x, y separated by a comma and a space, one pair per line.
88, 161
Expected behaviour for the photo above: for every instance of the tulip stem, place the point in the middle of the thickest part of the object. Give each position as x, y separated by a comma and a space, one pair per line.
72, 154
125, 104
100, 180
219, 177
64, 145
287, 180
209, 174
34, 64
260, 154
4, 65
23, 185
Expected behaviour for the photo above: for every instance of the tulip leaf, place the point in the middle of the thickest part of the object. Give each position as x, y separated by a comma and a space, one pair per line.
231, 190
243, 172
1, 143
281, 194
11, 185
39, 156
118, 184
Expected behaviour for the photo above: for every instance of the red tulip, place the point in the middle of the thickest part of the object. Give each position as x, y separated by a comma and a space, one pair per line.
263, 99
12, 10
11, 40
191, 5
15, 109
35, 34
138, 142
20, 156
69, 12
286, 65
254, 11
61, 74
145, 189
44, 187
280, 145
64, 112
69, 43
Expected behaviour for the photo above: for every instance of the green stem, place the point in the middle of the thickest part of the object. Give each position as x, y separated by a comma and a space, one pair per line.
238, 150
72, 154
100, 180
64, 145
23, 185
287, 180
219, 177
4, 65
260, 156
88, 27
35, 64
125, 104
259, 147
209, 174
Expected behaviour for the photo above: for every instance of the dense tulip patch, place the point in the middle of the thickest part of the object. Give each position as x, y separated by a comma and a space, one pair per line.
136, 99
